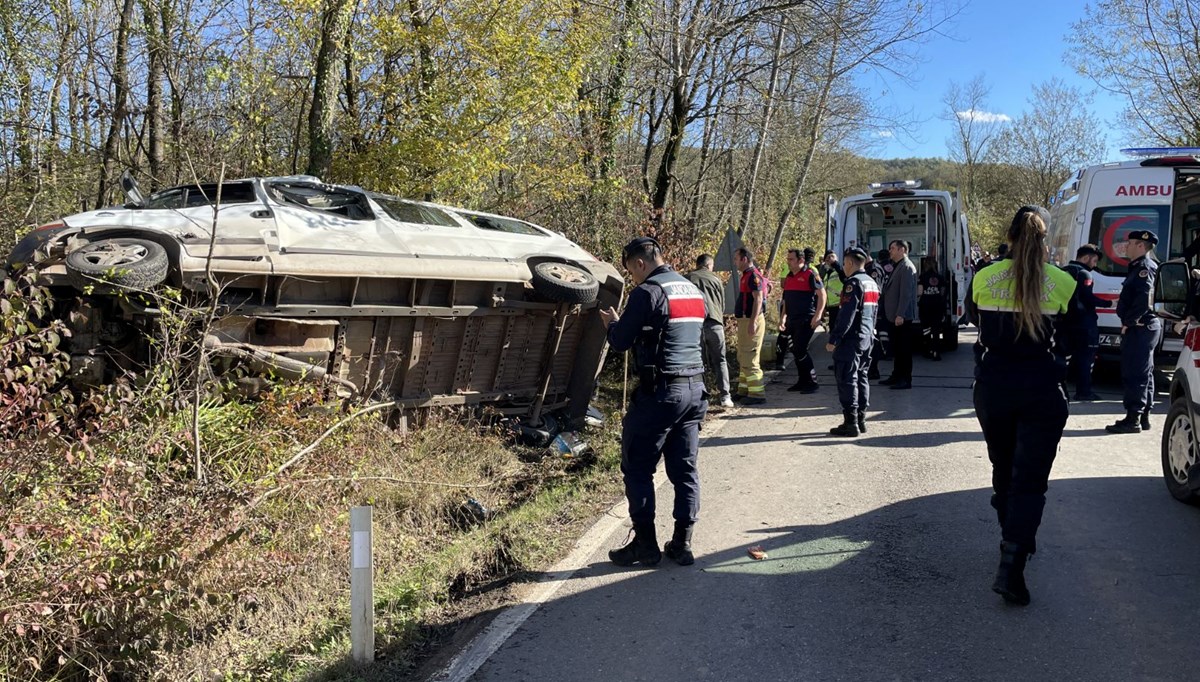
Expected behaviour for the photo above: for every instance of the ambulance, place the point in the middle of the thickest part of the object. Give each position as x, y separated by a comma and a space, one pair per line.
1158, 191
930, 220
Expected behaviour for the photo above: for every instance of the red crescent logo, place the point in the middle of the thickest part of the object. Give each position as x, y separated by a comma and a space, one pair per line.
1110, 240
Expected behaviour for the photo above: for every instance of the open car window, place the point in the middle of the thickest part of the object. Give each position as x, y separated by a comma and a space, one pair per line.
410, 212
487, 222
190, 196
346, 203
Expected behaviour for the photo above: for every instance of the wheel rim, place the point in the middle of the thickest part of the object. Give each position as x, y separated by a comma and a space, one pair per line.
1181, 448
565, 273
113, 254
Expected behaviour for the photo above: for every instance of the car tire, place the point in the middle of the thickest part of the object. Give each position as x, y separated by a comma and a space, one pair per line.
564, 283
125, 262
1179, 448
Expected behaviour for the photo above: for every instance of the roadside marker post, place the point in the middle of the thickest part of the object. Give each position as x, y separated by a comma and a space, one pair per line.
362, 598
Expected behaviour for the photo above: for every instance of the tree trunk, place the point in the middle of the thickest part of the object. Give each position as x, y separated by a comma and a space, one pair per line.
335, 23
614, 90
155, 49
814, 137
120, 108
763, 132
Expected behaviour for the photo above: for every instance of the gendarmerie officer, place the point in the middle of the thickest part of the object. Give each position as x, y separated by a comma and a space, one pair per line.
662, 323
1139, 331
850, 342
1082, 327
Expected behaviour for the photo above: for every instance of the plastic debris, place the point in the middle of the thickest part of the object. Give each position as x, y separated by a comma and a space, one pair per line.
756, 552
476, 510
568, 444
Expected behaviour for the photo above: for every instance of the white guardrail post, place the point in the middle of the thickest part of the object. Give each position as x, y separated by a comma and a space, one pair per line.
362, 598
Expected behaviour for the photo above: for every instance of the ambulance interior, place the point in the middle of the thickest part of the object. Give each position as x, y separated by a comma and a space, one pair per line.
1185, 213
920, 222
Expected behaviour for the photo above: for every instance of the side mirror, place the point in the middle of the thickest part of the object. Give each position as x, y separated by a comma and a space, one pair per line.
132, 192
1172, 290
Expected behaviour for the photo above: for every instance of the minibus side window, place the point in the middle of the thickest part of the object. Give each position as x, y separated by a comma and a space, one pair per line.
1112, 224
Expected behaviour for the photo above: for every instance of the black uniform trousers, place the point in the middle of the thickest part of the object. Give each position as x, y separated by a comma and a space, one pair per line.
933, 318
1022, 427
801, 336
1083, 340
850, 372
1137, 368
664, 423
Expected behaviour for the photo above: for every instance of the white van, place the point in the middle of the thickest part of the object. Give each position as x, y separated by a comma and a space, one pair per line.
928, 219
1158, 191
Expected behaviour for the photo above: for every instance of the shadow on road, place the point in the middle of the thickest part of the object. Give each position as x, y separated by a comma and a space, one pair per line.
901, 592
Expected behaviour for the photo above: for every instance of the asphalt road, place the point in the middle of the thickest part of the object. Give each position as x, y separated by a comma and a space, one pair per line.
881, 552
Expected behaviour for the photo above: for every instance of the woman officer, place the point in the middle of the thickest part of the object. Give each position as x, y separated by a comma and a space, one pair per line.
1019, 400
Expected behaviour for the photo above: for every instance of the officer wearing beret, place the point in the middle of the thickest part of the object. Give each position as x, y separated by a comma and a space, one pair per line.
1139, 331
662, 324
850, 342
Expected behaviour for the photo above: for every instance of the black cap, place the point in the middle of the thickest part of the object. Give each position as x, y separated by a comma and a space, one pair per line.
1145, 236
858, 253
638, 245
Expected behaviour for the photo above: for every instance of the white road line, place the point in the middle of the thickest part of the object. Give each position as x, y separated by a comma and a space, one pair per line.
480, 649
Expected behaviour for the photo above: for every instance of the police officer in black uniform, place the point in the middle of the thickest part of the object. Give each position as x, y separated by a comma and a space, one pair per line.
1139, 331
1081, 325
662, 323
850, 342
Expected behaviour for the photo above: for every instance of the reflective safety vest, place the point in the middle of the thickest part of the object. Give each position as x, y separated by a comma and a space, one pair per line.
993, 286
833, 289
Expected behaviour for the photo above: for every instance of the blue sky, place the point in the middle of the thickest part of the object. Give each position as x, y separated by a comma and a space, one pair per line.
1015, 45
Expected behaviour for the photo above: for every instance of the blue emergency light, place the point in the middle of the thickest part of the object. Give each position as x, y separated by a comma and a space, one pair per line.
1151, 152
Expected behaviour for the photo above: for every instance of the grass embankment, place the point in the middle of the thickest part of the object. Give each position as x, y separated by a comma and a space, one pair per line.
117, 563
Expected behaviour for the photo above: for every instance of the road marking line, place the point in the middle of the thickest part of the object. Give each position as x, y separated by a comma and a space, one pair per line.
468, 661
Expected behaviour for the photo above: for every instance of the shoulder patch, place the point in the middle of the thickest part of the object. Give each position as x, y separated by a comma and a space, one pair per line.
1143, 274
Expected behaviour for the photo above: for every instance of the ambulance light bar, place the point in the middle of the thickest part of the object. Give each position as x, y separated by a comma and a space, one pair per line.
1152, 152
895, 184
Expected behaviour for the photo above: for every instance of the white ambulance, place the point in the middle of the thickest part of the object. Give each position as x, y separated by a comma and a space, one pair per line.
1158, 191
928, 219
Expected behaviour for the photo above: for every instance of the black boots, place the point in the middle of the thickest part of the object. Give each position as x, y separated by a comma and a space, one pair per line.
1130, 424
642, 549
679, 547
862, 422
1010, 576
1145, 420
848, 428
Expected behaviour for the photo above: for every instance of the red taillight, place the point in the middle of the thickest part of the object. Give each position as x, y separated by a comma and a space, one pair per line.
51, 226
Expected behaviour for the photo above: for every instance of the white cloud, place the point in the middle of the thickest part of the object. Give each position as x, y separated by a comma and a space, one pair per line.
983, 116
886, 133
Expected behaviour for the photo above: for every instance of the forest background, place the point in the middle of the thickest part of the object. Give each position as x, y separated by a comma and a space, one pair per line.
597, 118
601, 119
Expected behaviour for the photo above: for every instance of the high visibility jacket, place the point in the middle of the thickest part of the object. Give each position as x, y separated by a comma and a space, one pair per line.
833, 287
1004, 353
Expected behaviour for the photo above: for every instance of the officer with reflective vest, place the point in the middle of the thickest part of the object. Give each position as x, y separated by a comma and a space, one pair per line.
832, 275
803, 307
1020, 364
1082, 325
1139, 332
850, 342
662, 324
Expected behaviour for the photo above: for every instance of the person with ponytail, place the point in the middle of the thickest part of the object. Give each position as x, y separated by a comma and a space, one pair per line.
1020, 365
